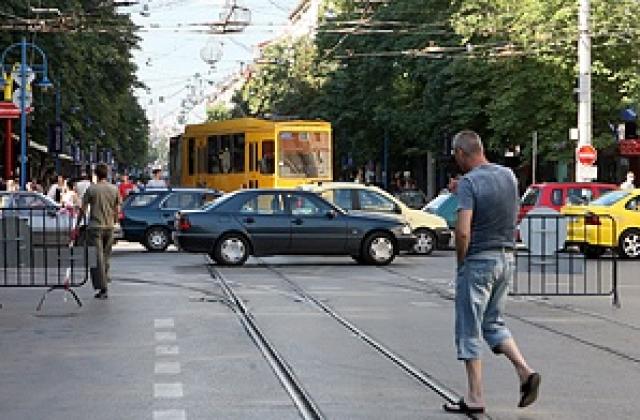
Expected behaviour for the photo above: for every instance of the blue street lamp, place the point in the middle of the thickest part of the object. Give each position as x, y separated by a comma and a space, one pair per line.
43, 83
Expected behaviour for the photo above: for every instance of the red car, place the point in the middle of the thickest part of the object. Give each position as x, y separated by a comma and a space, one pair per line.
557, 194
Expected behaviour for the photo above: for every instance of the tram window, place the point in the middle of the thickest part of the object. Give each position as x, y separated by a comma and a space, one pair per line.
237, 164
192, 155
224, 154
213, 158
267, 163
304, 154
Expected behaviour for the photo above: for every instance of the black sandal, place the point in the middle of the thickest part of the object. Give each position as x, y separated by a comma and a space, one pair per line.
529, 390
461, 407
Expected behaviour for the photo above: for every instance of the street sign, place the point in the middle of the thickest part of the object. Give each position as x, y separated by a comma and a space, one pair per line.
586, 173
28, 98
587, 154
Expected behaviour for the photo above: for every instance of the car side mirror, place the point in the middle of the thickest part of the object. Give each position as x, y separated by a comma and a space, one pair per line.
52, 212
397, 209
331, 214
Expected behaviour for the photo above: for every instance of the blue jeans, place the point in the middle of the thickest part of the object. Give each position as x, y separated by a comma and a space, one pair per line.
482, 285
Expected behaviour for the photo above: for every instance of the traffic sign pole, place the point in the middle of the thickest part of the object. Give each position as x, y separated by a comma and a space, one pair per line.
584, 95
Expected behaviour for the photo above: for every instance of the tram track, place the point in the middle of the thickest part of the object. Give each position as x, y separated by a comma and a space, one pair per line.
422, 377
430, 288
301, 399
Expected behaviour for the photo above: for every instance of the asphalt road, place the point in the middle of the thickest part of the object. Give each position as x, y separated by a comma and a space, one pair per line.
168, 344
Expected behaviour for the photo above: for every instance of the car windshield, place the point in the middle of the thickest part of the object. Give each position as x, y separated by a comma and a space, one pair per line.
530, 197
610, 199
434, 204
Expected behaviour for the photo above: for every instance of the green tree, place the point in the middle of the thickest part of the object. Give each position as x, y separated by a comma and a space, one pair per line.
218, 112
93, 69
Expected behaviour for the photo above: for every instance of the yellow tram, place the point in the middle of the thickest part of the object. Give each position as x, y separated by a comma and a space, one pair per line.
251, 153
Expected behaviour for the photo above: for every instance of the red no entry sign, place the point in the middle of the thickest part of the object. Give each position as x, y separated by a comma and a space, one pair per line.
587, 154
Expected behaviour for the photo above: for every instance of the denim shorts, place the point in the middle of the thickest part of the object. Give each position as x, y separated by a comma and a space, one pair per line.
482, 285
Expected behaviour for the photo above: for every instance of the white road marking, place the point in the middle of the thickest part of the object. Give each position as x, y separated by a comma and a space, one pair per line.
165, 336
169, 415
163, 323
173, 390
167, 368
165, 350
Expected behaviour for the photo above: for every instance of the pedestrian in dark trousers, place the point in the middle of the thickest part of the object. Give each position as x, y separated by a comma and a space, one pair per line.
103, 201
485, 242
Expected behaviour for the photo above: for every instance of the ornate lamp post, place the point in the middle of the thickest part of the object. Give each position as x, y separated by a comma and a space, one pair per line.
26, 76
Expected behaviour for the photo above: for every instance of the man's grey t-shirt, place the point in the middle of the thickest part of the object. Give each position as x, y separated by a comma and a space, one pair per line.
491, 191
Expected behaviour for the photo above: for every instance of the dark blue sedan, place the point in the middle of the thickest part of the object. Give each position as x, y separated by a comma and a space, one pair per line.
148, 216
288, 222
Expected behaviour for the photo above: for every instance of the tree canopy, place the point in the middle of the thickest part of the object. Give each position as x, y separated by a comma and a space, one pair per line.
424, 69
91, 64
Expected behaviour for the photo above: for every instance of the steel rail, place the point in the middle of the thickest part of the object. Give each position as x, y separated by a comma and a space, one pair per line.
422, 377
300, 397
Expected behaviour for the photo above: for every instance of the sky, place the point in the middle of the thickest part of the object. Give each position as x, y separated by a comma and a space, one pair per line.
168, 58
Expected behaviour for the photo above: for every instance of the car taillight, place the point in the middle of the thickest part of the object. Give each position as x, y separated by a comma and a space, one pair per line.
184, 223
121, 215
592, 219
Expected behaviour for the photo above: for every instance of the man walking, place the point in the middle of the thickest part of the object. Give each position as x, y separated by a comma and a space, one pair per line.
104, 201
485, 232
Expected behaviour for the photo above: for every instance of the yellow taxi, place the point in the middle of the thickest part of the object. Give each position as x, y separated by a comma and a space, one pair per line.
611, 221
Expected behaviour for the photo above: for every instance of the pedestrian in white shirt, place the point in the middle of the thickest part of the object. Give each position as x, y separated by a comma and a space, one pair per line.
82, 185
57, 190
157, 181
628, 184
70, 198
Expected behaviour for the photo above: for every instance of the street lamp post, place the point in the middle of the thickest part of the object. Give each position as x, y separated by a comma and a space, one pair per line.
43, 83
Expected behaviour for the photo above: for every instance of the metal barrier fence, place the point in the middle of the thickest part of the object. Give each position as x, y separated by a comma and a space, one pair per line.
36, 250
567, 255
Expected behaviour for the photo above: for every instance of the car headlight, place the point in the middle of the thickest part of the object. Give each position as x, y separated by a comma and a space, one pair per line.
406, 230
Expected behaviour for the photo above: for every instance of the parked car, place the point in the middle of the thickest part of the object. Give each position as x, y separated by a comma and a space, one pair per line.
444, 205
431, 230
558, 194
611, 221
47, 220
288, 222
148, 216
414, 199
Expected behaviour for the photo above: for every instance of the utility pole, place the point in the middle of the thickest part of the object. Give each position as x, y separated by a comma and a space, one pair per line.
584, 86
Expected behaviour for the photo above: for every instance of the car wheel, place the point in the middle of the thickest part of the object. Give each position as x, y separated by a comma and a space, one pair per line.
231, 249
630, 244
157, 239
379, 249
425, 243
593, 252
